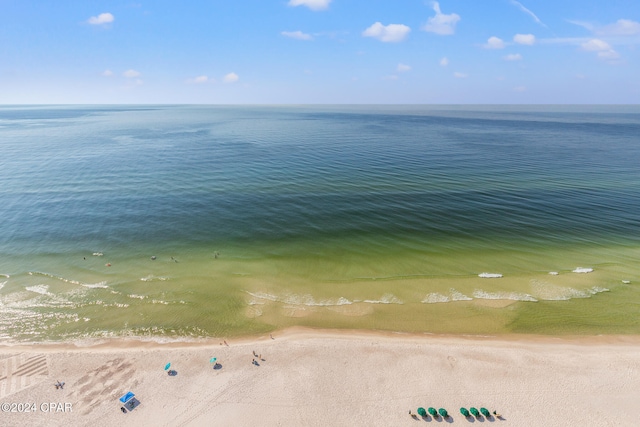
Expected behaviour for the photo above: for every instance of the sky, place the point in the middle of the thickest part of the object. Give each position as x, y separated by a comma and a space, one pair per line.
320, 52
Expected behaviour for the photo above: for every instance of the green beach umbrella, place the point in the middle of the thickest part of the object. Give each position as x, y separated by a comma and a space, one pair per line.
474, 411
443, 412
464, 412
422, 412
485, 412
433, 412
167, 366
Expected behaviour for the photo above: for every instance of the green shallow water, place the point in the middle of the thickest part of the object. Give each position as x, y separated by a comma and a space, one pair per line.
242, 293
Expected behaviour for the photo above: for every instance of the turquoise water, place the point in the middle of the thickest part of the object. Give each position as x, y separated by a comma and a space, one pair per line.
377, 217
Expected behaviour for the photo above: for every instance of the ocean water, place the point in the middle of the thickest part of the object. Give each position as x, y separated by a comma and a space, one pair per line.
220, 221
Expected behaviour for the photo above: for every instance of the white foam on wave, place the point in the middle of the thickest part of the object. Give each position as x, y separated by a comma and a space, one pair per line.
583, 270
309, 300
102, 284
549, 292
6, 276
99, 285
513, 296
295, 299
2, 284
263, 296
458, 296
39, 289
97, 254
553, 273
136, 296
435, 297
626, 282
490, 275
385, 299
151, 278
454, 295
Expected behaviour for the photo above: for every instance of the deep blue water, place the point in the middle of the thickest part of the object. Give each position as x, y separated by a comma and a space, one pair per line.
98, 176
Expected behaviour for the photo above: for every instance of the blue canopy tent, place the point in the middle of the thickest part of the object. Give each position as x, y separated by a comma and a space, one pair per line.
127, 397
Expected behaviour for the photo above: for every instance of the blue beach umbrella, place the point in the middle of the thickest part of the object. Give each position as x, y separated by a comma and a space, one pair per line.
167, 366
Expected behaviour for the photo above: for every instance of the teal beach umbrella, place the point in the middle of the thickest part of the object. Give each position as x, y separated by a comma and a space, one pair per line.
167, 366
485, 412
433, 412
474, 411
422, 412
464, 412
443, 412
213, 360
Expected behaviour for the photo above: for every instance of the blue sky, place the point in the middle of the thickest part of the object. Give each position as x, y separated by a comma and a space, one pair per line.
320, 51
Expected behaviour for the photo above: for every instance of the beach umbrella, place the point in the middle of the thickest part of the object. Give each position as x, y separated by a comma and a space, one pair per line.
433, 412
464, 412
474, 411
422, 412
167, 366
213, 360
443, 412
485, 412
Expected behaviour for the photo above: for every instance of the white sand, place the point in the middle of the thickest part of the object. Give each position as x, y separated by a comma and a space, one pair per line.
325, 378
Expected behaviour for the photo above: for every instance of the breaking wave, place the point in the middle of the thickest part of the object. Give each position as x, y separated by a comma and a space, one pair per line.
490, 275
514, 296
454, 295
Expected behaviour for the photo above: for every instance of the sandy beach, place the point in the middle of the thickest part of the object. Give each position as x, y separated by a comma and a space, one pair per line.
336, 378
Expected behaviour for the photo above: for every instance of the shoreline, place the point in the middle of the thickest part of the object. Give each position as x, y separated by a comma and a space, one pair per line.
135, 343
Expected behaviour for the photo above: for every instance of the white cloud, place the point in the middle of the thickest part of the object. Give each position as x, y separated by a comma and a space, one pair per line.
231, 78
528, 12
131, 74
494, 43
528, 39
589, 26
311, 4
604, 49
460, 75
622, 27
103, 18
403, 68
298, 35
107, 73
608, 54
387, 33
444, 61
513, 57
199, 80
596, 45
441, 24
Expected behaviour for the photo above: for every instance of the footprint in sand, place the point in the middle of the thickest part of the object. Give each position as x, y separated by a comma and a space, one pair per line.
452, 361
